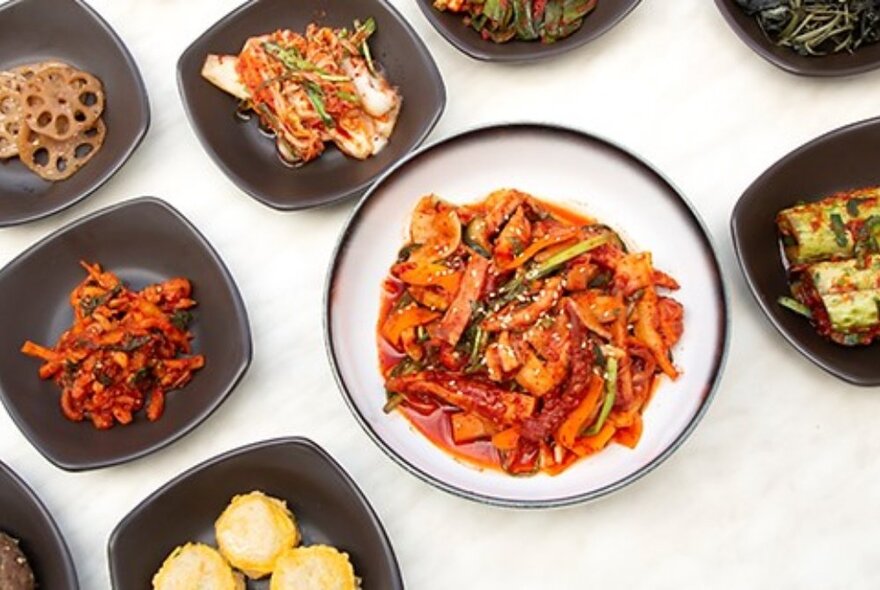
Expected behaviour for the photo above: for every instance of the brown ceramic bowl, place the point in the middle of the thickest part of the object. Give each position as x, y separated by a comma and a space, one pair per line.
144, 241
23, 517
328, 506
841, 64
841, 160
249, 158
70, 31
452, 27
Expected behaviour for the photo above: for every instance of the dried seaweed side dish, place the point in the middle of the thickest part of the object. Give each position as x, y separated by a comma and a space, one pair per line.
521, 336
833, 256
524, 20
125, 351
817, 27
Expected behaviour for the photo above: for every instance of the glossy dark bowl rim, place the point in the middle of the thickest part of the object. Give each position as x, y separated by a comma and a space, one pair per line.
142, 94
67, 560
751, 281
356, 191
241, 317
712, 387
295, 441
541, 52
785, 64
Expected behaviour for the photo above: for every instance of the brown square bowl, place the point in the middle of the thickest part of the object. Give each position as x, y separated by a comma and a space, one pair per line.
143, 241
249, 158
841, 160
452, 27
70, 31
328, 506
23, 517
840, 64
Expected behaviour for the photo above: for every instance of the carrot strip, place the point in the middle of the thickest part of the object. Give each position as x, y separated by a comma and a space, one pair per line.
593, 444
580, 417
559, 237
403, 319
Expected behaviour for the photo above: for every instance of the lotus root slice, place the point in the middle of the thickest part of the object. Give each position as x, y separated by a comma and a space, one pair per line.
10, 114
55, 160
60, 102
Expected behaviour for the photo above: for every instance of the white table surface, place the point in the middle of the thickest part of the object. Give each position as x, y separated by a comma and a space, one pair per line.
777, 487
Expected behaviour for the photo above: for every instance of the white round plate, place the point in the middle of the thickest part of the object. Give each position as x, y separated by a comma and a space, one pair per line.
558, 165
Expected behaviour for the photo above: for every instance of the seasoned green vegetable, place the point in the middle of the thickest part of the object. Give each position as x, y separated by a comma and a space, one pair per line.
525, 20
817, 27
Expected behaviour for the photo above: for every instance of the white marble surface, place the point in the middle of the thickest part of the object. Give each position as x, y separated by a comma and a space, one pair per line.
777, 487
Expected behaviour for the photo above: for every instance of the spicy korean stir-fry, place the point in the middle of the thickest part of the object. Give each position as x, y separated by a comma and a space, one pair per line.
309, 89
521, 336
124, 350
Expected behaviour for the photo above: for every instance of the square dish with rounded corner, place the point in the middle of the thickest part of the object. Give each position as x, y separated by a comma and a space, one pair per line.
41, 30
249, 158
840, 64
451, 26
143, 241
326, 503
24, 517
841, 160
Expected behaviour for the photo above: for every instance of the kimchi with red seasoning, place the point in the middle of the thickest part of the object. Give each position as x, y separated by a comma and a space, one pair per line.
522, 336
125, 350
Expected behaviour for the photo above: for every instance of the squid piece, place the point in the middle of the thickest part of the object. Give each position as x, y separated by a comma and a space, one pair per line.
436, 226
513, 317
456, 319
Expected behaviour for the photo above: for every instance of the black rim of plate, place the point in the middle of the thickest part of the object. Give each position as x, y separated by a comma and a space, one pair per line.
126, 156
357, 191
65, 558
541, 51
750, 279
244, 450
710, 388
242, 317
